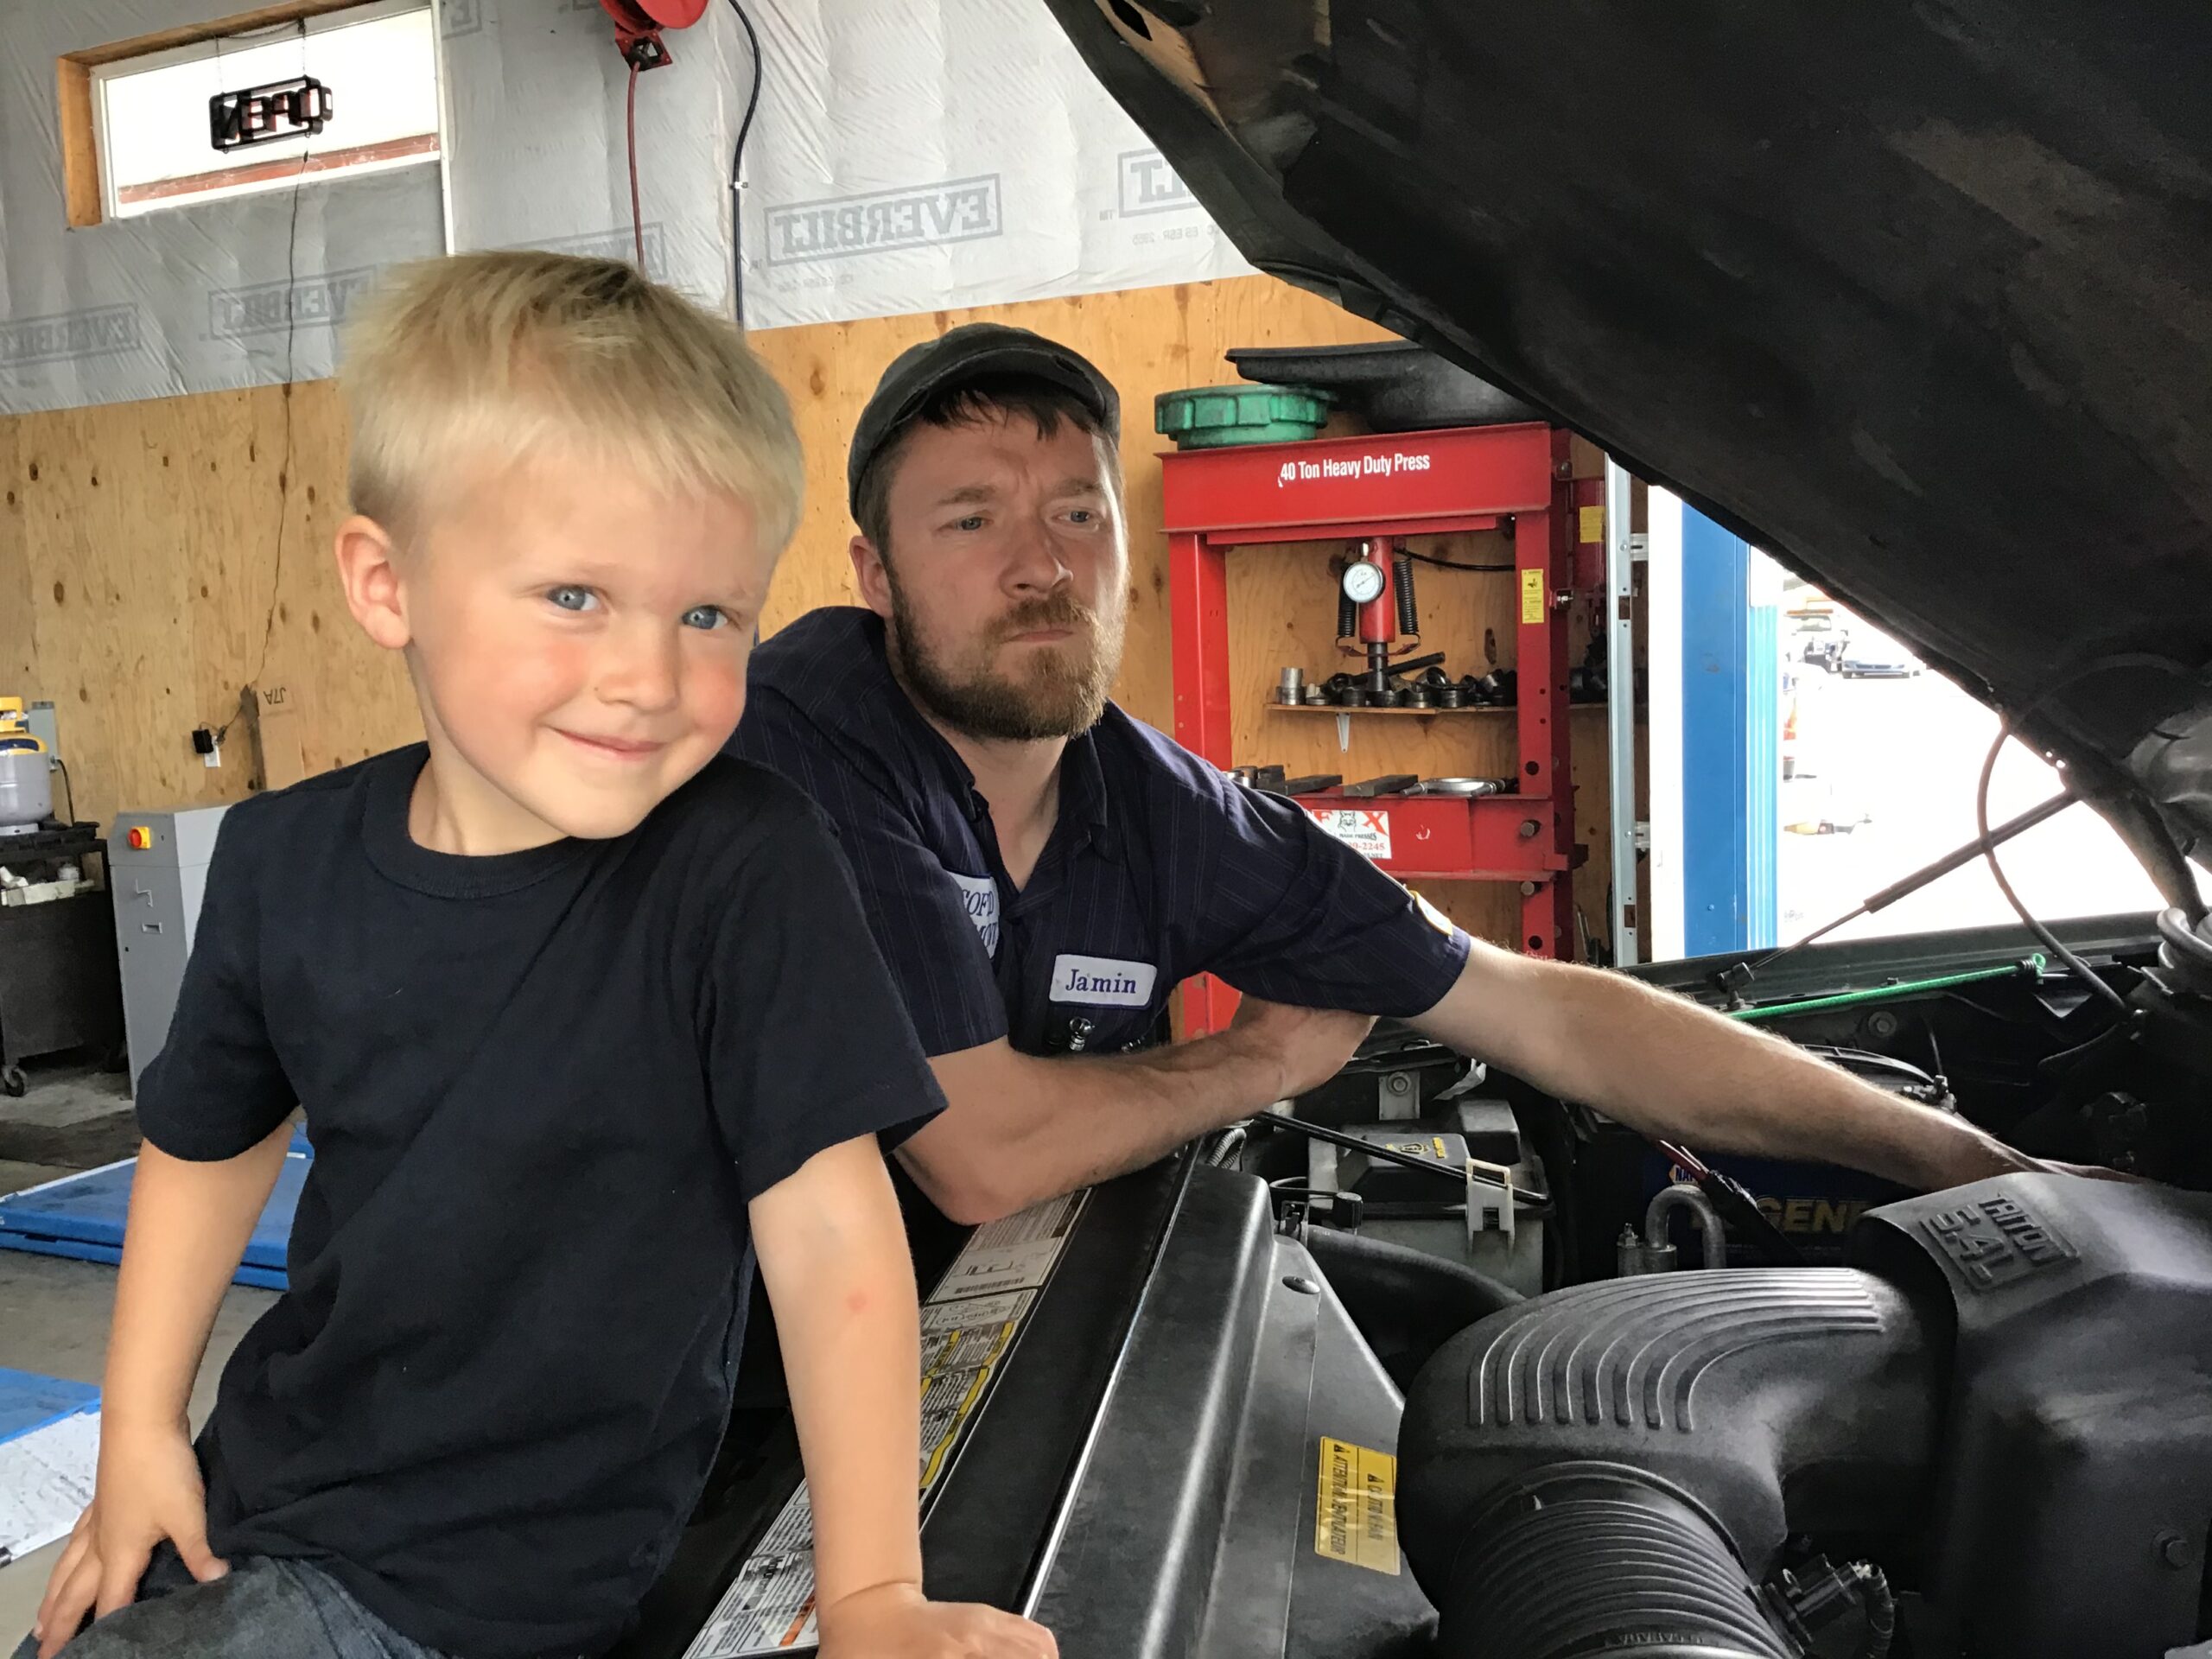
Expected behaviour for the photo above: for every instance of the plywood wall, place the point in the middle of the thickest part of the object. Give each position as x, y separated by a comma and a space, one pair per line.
139, 566
156, 557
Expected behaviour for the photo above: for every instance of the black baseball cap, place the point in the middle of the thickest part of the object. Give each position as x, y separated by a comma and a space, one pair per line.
971, 352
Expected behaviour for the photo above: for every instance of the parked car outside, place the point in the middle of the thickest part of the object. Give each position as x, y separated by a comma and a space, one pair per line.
1867, 653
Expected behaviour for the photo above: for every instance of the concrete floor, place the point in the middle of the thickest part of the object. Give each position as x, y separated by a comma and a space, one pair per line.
53, 1314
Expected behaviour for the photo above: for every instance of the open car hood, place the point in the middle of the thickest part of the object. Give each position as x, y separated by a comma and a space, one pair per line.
1916, 295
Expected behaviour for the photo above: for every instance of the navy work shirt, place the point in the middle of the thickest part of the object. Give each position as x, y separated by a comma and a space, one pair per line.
1158, 868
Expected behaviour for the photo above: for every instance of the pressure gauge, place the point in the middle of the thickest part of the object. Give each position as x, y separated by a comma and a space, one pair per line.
1362, 581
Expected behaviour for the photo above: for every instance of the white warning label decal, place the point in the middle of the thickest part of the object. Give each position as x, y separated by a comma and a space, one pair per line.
968, 1324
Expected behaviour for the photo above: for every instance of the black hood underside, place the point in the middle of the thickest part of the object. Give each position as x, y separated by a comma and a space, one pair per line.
1917, 296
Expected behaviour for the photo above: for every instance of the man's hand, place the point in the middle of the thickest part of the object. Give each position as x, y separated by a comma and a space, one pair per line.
894, 1621
148, 1490
1310, 1044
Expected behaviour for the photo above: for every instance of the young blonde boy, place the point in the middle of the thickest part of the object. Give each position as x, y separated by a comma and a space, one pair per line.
583, 1017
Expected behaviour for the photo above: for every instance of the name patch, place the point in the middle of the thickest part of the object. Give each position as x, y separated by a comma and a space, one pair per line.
979, 895
1103, 981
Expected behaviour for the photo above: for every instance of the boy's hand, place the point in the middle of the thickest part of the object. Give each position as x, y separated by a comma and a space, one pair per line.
148, 1490
895, 1621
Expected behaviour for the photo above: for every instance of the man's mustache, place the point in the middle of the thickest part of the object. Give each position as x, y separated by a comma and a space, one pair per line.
1060, 611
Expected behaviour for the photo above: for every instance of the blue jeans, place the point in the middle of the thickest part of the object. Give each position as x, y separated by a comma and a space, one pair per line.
262, 1609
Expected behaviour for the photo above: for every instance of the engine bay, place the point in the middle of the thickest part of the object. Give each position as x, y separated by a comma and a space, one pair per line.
1447, 1368
1755, 1408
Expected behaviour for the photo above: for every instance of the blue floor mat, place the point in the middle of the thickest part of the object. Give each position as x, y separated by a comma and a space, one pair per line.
28, 1400
82, 1217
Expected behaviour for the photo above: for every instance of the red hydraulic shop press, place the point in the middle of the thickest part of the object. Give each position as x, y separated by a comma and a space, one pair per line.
1371, 492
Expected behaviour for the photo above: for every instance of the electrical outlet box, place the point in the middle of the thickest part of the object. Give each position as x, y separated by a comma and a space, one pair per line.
272, 714
40, 717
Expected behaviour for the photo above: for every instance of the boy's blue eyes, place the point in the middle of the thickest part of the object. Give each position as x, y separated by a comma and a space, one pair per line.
582, 601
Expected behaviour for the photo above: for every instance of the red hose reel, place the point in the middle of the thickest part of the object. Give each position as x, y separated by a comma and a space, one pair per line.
639, 23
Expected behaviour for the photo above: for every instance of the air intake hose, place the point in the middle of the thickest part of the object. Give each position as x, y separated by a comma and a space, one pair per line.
1592, 1560
1615, 1464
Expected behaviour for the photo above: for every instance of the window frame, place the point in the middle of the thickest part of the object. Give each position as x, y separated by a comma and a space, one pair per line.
80, 80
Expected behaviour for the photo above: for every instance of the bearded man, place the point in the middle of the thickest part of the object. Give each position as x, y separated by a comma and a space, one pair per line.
1041, 869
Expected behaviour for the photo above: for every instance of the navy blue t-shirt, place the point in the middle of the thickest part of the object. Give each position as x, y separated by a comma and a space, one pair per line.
542, 1088
1158, 868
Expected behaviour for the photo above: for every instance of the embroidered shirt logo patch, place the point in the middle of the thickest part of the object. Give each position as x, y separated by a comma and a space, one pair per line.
979, 895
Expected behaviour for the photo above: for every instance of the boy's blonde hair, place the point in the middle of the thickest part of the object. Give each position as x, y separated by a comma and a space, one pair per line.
495, 356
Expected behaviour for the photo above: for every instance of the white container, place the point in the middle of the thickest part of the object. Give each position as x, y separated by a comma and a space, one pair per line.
26, 787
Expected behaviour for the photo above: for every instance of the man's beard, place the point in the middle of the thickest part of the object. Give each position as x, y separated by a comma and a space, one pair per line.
1062, 690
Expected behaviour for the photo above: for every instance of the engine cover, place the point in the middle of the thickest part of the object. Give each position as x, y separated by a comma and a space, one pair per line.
2014, 1381
2073, 1489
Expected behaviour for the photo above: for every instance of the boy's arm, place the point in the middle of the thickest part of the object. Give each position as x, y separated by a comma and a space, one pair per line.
214, 1107
833, 1253
187, 1229
186, 1233
808, 1053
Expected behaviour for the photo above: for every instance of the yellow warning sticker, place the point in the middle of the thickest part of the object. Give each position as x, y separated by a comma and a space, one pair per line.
1355, 1514
1593, 524
1532, 595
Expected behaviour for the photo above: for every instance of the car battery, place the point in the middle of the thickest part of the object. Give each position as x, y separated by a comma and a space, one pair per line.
1386, 1187
1426, 1208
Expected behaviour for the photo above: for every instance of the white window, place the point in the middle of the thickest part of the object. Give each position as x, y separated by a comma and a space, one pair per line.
378, 62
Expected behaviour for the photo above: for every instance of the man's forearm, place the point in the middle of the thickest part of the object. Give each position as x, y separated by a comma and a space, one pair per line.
187, 1229
1735, 1089
1023, 1128
1662, 1064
